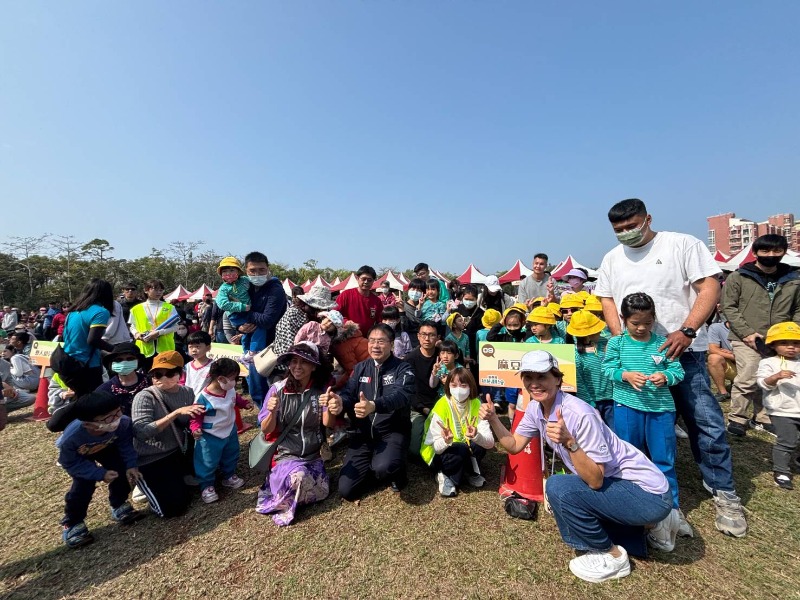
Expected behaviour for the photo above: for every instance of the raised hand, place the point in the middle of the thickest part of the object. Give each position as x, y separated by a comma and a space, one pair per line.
272, 403
110, 476
487, 411
557, 432
325, 397
363, 408
447, 435
471, 431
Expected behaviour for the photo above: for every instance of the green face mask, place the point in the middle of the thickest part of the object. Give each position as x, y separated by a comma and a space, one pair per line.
633, 237
124, 367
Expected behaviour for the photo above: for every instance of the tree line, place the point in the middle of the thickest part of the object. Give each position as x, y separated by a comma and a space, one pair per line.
37, 269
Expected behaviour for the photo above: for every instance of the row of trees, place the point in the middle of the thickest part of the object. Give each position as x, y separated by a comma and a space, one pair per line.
34, 270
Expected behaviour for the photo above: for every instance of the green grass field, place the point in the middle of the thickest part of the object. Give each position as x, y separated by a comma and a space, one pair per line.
412, 545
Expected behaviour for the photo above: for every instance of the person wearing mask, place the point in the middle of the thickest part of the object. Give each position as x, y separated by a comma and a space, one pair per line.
756, 296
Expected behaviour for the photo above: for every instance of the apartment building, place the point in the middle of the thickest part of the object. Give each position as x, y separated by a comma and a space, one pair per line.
730, 234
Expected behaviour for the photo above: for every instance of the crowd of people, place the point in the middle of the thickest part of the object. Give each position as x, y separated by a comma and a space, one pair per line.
141, 406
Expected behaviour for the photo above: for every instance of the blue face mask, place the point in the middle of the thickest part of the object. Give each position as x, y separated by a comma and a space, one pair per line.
414, 295
124, 367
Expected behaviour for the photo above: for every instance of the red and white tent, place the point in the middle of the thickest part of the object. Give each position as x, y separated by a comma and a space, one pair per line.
348, 284
288, 284
335, 282
198, 294
471, 275
179, 293
395, 282
439, 275
318, 280
516, 273
566, 265
746, 256
403, 278
720, 257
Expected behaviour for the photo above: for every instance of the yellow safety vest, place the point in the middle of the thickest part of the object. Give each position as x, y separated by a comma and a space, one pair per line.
142, 323
445, 412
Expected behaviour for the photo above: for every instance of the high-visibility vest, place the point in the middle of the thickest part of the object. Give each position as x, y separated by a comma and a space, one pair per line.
446, 413
142, 323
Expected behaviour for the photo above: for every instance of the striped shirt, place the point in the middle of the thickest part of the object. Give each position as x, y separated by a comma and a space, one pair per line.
623, 353
593, 384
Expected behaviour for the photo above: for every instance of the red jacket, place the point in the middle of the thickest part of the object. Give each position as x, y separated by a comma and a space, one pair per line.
366, 311
348, 348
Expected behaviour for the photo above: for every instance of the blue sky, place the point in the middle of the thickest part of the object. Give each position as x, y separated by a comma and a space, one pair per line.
389, 132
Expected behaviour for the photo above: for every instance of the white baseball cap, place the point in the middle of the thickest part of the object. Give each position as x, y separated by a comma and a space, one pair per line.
492, 283
537, 361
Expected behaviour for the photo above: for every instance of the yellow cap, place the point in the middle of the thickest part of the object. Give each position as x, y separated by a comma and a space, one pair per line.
583, 295
584, 323
515, 308
555, 308
229, 261
450, 318
490, 318
538, 300
571, 301
593, 303
783, 331
543, 315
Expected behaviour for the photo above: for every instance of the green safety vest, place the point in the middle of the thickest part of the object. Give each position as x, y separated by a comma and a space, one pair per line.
446, 413
142, 324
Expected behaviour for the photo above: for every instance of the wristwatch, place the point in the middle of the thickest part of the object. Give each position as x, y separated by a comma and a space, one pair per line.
573, 447
688, 332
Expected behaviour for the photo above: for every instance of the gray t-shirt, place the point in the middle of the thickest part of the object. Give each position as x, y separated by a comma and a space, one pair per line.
718, 334
530, 288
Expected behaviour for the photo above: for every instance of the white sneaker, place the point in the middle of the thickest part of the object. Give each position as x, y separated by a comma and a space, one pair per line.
680, 433
595, 567
209, 495
137, 495
662, 536
234, 482
476, 480
684, 529
446, 486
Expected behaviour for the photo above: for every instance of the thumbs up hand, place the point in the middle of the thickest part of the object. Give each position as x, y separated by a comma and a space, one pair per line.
332, 400
487, 411
272, 403
364, 407
557, 431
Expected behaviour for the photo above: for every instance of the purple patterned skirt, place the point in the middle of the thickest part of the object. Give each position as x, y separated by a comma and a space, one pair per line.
291, 483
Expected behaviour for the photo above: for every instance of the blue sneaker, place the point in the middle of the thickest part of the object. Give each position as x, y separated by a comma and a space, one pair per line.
125, 514
77, 535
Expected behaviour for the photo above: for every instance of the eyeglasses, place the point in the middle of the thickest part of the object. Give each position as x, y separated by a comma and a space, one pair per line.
378, 342
161, 373
110, 418
428, 335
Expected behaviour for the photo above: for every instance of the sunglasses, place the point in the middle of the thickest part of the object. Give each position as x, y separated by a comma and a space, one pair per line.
161, 373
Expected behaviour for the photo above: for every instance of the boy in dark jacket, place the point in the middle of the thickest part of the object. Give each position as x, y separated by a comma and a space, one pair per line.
97, 446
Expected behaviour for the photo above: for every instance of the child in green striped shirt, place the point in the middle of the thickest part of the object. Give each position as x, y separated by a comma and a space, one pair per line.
644, 411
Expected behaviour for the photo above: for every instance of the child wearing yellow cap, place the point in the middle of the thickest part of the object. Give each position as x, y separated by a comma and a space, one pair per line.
594, 387
779, 377
570, 304
541, 325
233, 297
510, 329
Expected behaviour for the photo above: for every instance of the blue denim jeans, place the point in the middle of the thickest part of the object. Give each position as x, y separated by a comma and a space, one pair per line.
606, 410
258, 386
654, 434
705, 423
597, 519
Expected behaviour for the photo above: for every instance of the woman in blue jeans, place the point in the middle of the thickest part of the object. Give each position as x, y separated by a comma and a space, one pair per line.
613, 492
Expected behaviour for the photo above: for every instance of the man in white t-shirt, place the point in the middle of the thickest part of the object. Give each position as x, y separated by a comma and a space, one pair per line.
678, 272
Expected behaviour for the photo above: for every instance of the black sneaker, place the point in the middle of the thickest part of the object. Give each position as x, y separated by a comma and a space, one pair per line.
737, 429
783, 481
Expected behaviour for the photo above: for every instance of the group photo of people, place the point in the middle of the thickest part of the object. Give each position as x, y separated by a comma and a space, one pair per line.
152, 399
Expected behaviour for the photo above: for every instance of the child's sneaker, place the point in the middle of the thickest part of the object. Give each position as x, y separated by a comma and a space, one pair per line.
209, 495
125, 514
783, 481
234, 482
77, 535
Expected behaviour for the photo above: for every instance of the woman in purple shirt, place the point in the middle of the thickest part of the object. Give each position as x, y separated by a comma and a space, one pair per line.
613, 492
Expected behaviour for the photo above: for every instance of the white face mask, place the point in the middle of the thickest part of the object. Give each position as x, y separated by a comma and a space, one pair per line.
227, 385
469, 303
258, 280
414, 295
459, 394
107, 427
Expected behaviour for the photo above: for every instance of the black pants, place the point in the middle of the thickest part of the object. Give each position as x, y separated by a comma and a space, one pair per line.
383, 459
456, 461
164, 487
788, 431
80, 494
